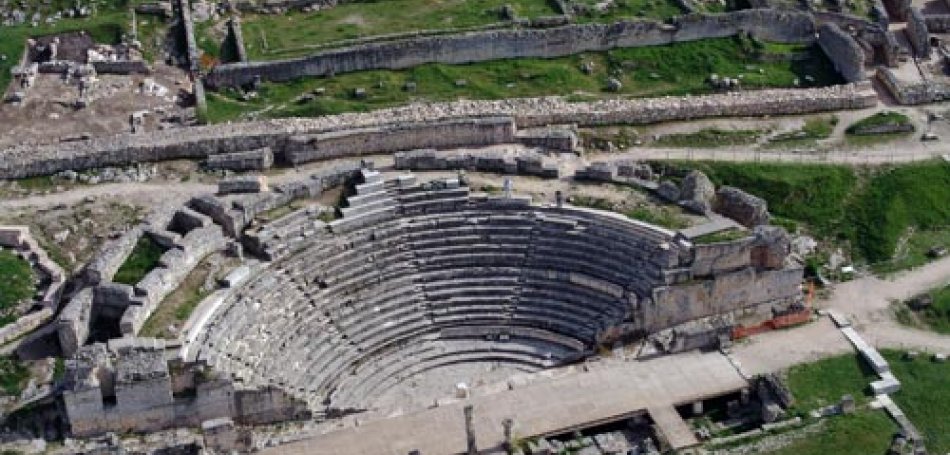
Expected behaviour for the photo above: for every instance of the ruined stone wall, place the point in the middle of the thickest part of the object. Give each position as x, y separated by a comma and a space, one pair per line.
121, 67
723, 293
103, 266
392, 138
710, 259
913, 93
843, 51
73, 322
201, 142
917, 33
767, 24
173, 267
523, 162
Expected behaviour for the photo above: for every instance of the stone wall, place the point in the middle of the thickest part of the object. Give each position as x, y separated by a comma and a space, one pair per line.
256, 160
721, 294
843, 51
913, 93
503, 162
103, 266
201, 142
766, 24
917, 33
391, 138
173, 267
73, 322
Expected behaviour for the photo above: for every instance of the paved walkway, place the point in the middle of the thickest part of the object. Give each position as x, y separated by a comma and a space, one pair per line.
604, 393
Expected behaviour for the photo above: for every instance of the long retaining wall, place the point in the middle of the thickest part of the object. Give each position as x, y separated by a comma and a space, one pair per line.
200, 142
766, 24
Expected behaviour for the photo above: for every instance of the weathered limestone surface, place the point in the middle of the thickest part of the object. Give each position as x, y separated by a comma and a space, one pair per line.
843, 51
201, 142
721, 294
766, 24
743, 207
74, 321
103, 266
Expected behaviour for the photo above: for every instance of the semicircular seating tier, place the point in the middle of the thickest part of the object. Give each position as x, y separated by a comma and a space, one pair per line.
416, 278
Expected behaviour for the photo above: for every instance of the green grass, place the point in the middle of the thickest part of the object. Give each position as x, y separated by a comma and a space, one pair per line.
812, 194
872, 209
822, 383
936, 317
895, 199
143, 259
708, 138
879, 119
660, 216
728, 235
912, 249
13, 375
815, 129
16, 284
675, 69
865, 432
276, 36
924, 397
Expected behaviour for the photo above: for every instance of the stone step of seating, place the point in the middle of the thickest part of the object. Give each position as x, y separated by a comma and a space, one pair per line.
481, 259
506, 332
384, 380
371, 175
359, 200
344, 225
368, 207
459, 294
363, 189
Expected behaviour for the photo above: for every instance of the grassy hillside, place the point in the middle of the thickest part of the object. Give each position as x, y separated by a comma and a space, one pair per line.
873, 209
674, 69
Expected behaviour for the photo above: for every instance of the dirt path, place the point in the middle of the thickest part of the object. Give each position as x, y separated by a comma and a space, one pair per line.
145, 194
866, 302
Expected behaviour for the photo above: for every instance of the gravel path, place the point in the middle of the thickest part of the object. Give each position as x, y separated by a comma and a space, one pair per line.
144, 194
866, 302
